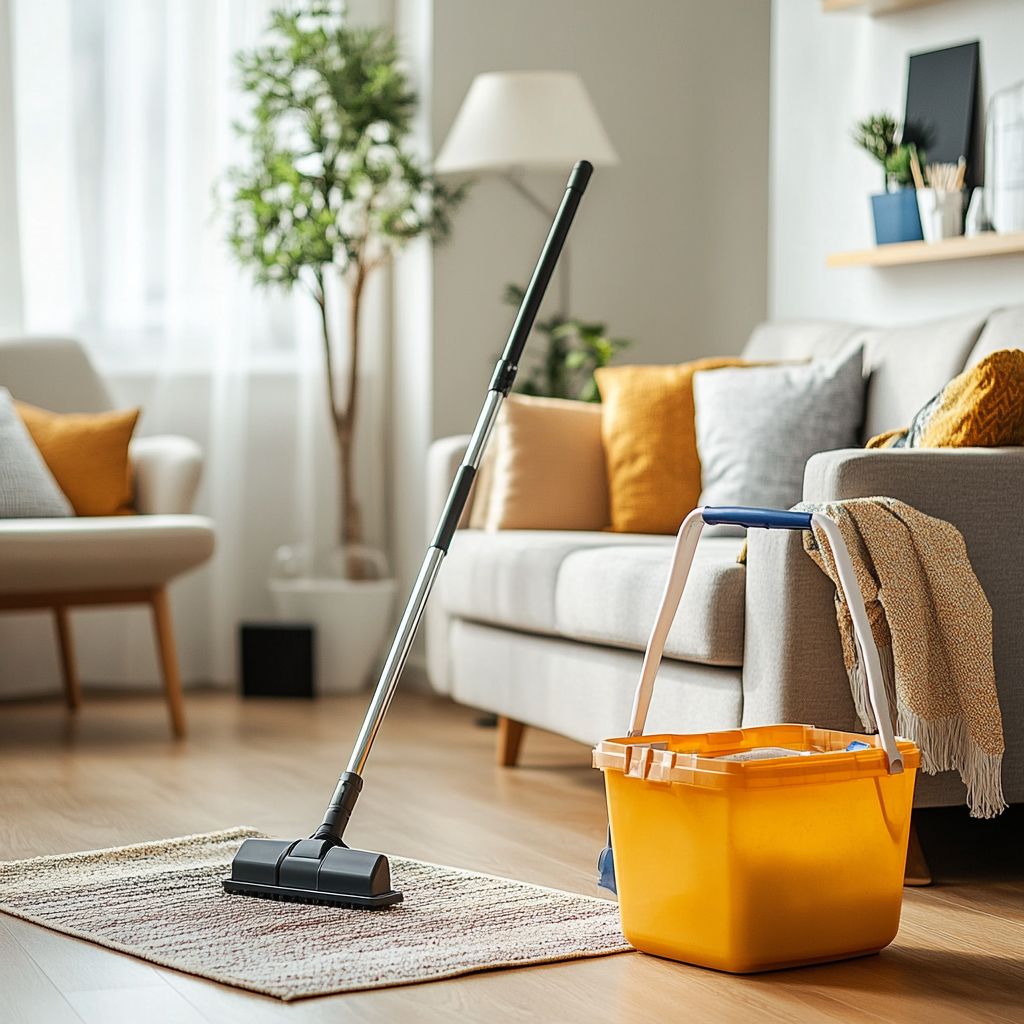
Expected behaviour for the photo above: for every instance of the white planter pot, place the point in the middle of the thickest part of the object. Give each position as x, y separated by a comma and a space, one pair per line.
352, 620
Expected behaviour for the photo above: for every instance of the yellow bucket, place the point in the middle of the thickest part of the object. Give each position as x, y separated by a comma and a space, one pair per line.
754, 865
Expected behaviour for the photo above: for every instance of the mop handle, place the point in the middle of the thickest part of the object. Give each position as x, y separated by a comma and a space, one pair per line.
770, 519
350, 782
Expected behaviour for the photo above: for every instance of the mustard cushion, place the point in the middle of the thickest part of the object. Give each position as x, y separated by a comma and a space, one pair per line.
87, 453
548, 467
983, 407
650, 443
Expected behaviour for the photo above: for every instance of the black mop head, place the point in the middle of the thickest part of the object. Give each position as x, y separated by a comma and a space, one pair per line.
312, 871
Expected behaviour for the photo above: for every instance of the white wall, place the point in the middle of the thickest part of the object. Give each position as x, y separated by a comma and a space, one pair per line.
828, 71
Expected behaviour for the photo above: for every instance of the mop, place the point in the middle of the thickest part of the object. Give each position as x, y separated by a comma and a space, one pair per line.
322, 869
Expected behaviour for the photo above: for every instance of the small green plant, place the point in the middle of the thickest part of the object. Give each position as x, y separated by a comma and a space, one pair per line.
574, 350
330, 187
877, 136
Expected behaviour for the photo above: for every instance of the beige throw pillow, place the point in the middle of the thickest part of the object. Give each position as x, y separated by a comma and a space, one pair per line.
549, 469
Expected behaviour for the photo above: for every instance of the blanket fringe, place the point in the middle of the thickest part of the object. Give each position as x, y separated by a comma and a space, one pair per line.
945, 743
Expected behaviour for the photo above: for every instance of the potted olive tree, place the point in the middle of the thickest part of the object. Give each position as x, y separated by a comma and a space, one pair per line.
328, 192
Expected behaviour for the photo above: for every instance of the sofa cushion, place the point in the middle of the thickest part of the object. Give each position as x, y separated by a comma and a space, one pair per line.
597, 588
548, 471
757, 428
798, 339
908, 365
1003, 329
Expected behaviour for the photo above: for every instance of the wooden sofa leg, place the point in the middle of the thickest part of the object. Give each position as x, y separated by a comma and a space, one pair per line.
510, 737
69, 670
168, 660
917, 871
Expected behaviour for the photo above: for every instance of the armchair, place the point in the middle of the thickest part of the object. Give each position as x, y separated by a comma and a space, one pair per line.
60, 564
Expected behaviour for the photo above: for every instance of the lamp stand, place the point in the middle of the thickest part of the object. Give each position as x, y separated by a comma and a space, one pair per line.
515, 180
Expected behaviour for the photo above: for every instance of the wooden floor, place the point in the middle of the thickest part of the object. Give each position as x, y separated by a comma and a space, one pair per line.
113, 776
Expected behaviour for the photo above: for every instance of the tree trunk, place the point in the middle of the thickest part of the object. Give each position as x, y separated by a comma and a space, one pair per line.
343, 419
351, 526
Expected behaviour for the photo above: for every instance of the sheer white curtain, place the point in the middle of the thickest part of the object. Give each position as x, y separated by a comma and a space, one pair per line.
122, 116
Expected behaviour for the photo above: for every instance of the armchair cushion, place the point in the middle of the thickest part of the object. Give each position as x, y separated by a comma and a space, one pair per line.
166, 471
99, 552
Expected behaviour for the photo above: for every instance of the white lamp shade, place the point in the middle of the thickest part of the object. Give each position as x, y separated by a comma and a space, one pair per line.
525, 119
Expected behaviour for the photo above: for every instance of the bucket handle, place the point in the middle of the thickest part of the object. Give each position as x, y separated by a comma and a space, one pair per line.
768, 519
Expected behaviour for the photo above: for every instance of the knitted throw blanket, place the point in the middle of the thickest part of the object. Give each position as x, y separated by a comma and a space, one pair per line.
933, 627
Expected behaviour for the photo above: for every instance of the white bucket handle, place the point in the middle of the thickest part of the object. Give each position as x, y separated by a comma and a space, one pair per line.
682, 559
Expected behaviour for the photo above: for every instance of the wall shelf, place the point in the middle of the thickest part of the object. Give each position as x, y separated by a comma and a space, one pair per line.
874, 8
905, 253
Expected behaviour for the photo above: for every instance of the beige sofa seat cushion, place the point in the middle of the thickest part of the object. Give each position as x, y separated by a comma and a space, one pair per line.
100, 552
611, 596
597, 587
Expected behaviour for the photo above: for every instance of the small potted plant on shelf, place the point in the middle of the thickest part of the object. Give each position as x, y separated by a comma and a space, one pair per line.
895, 209
329, 191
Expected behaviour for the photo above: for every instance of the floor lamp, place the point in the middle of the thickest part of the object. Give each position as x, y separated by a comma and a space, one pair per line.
514, 121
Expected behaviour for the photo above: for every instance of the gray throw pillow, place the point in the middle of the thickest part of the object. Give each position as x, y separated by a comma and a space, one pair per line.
757, 426
27, 488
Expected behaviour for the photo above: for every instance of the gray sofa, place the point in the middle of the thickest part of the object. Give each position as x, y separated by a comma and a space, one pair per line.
545, 628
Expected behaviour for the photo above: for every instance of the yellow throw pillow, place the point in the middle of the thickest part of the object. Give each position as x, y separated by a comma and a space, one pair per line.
548, 471
983, 407
87, 453
650, 443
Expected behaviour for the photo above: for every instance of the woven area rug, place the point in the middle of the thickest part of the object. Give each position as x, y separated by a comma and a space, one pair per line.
163, 902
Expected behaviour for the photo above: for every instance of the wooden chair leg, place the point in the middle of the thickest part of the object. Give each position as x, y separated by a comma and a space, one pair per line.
917, 871
510, 737
168, 660
69, 670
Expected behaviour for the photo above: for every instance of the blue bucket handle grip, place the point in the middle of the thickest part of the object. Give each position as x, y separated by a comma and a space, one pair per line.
763, 518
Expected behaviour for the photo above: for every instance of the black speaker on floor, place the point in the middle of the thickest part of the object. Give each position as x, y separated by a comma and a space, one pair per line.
277, 659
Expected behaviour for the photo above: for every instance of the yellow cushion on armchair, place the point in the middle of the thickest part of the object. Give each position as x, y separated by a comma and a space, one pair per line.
87, 453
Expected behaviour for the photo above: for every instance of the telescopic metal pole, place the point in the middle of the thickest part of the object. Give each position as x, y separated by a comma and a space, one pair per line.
350, 783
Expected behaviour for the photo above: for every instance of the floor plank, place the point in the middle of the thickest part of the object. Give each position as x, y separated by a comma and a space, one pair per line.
130, 1005
112, 776
27, 996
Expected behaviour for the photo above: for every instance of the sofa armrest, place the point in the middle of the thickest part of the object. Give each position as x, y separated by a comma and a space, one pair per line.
166, 471
969, 487
793, 668
443, 460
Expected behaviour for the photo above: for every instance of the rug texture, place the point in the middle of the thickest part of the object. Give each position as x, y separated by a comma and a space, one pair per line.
163, 902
